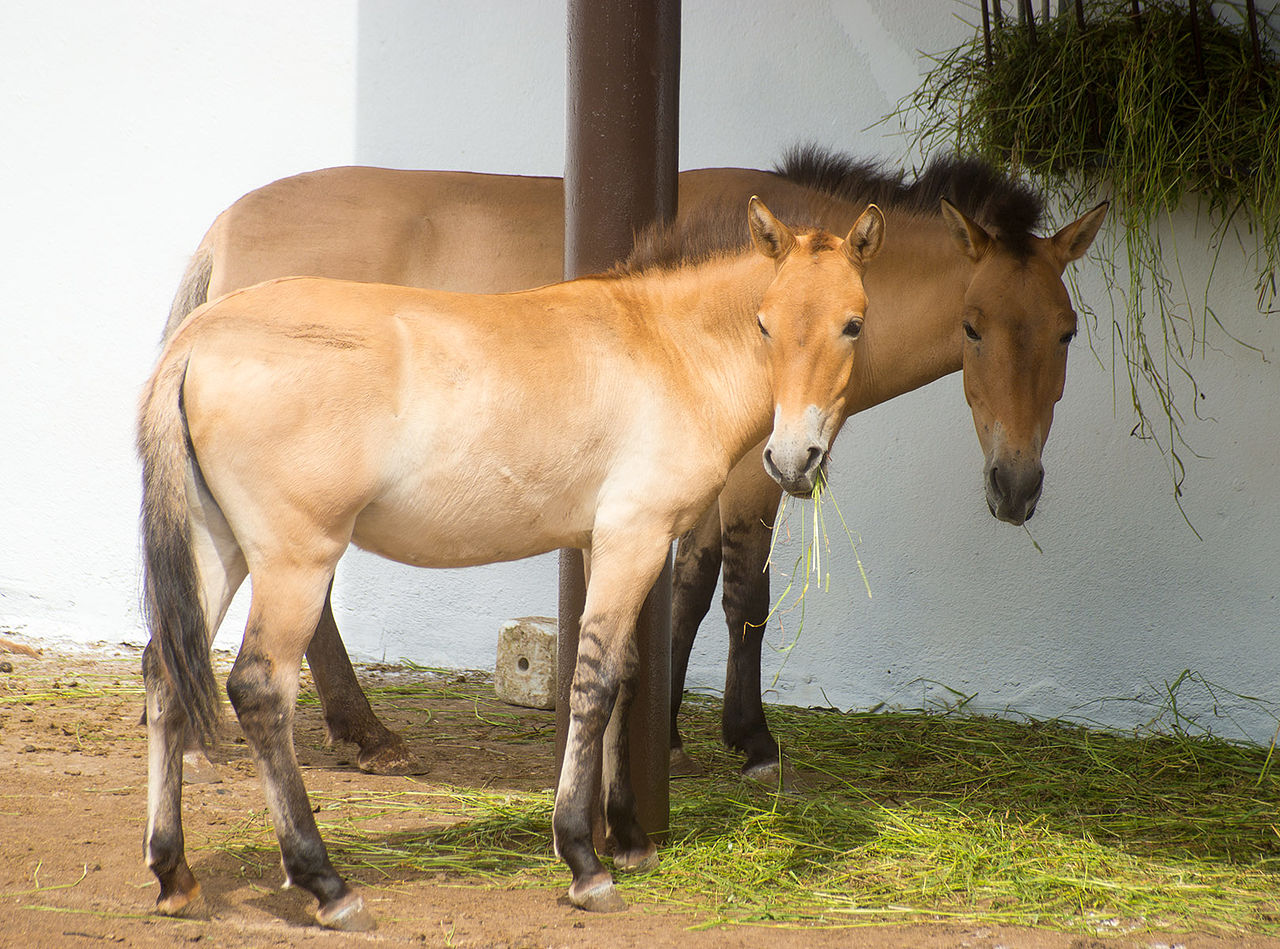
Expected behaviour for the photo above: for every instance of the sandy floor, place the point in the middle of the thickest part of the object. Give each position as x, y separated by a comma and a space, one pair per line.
72, 805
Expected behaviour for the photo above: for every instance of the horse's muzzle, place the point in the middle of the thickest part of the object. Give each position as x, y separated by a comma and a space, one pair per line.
797, 471
1013, 488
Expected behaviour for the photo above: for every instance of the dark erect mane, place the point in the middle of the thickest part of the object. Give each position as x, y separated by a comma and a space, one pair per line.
713, 231
1007, 207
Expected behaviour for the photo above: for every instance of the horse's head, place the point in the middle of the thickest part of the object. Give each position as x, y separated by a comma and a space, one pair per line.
810, 318
1015, 329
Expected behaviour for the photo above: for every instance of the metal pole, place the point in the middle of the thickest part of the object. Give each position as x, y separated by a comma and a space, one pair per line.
621, 164
1193, 15
986, 32
1252, 12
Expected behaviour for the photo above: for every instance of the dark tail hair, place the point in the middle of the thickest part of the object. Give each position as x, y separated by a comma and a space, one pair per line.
193, 290
172, 606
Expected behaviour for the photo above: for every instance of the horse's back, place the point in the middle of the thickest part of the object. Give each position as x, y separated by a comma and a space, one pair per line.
448, 230
442, 229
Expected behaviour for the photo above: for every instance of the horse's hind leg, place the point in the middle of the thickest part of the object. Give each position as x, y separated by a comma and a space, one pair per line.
347, 713
221, 569
263, 687
166, 740
693, 587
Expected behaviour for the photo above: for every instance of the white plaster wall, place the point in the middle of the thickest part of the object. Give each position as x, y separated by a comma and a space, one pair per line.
133, 124
127, 127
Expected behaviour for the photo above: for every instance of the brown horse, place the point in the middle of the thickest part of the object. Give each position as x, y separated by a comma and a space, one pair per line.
289, 420
967, 286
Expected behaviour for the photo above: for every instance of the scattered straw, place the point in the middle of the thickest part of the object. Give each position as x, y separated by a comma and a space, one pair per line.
898, 815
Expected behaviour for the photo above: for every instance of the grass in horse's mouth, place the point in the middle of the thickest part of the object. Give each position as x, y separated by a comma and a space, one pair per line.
814, 544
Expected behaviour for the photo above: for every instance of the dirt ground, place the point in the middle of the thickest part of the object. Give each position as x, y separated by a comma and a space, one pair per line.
73, 802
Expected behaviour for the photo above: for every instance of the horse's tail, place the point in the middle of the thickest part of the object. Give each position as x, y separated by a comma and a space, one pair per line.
172, 601
193, 290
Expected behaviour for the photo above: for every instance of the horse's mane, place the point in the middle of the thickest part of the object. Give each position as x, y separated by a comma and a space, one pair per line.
1002, 204
1005, 206
713, 231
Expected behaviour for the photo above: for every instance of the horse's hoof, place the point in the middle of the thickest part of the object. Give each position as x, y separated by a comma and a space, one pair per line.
637, 861
393, 760
197, 769
179, 891
769, 775
186, 904
682, 766
347, 914
602, 897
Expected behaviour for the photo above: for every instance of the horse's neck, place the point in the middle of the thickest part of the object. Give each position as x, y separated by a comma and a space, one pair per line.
705, 330
915, 289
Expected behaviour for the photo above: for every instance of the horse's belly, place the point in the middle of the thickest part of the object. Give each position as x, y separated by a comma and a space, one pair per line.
465, 528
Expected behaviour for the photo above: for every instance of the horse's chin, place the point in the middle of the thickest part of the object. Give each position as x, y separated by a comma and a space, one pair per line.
1009, 517
804, 487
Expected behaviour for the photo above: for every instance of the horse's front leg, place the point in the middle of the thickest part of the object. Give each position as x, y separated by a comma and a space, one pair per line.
693, 587
347, 713
629, 844
748, 507
622, 572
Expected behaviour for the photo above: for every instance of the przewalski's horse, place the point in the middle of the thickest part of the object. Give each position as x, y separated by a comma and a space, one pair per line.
289, 420
976, 265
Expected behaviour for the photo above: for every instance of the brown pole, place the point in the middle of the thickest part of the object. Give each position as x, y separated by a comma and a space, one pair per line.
986, 32
1193, 15
621, 163
1253, 36
1029, 15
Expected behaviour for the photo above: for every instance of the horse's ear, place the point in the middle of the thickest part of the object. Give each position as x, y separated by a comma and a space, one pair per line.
1073, 240
866, 237
772, 237
968, 234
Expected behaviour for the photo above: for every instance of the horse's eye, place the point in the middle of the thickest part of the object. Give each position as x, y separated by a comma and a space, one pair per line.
853, 328
763, 332
1067, 337
971, 332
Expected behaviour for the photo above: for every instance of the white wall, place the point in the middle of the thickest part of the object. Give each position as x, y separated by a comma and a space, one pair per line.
132, 124
127, 127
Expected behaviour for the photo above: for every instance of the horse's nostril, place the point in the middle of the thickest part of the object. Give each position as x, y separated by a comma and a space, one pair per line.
770, 465
997, 485
815, 459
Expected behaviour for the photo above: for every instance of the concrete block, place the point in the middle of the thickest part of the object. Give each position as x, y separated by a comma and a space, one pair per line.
526, 669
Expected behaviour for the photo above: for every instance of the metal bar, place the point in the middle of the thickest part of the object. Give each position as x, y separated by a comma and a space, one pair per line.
986, 31
1193, 15
621, 163
1253, 35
